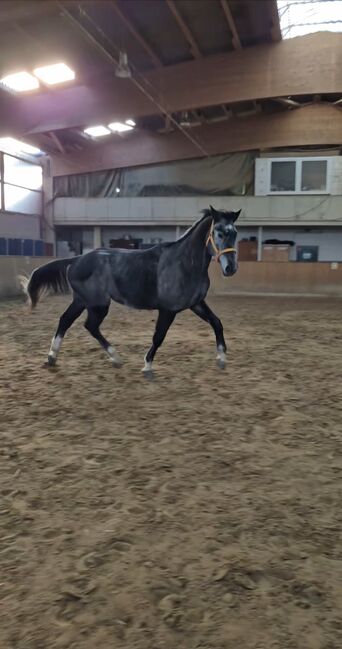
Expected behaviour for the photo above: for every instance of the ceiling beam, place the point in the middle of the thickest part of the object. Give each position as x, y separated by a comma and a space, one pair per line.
185, 29
223, 79
275, 22
282, 129
138, 37
231, 24
286, 101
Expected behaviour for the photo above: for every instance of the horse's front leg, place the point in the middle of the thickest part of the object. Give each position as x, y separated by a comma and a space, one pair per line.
202, 310
164, 321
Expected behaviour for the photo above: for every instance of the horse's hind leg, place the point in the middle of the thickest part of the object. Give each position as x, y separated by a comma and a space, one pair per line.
206, 314
164, 322
66, 320
95, 317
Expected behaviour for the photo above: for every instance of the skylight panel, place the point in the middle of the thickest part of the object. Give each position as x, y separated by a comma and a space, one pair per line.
20, 82
300, 17
119, 127
54, 74
97, 131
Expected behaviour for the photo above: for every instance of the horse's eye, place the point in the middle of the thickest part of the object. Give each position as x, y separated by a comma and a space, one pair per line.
220, 235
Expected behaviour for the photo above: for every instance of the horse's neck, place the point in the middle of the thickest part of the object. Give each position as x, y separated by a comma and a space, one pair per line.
197, 239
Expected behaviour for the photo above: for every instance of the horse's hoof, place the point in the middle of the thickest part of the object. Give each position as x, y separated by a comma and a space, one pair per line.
148, 374
221, 364
117, 364
50, 363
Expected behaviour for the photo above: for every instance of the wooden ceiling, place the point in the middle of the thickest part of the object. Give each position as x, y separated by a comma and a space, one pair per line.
193, 62
156, 34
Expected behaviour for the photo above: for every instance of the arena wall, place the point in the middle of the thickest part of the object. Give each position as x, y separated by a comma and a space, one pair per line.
276, 277
252, 277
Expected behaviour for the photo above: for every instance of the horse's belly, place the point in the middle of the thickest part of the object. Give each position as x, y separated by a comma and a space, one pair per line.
181, 298
132, 298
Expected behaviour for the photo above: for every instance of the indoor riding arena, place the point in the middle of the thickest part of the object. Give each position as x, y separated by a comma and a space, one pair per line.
170, 473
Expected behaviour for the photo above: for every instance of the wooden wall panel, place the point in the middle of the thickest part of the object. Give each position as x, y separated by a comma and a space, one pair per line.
277, 277
318, 124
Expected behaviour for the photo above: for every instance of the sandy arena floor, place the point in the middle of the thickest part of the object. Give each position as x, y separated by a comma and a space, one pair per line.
199, 511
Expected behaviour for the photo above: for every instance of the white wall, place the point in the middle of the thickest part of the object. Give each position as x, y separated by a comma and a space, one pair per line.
256, 210
19, 226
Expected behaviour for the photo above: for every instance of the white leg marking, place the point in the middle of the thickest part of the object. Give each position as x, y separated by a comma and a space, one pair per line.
221, 356
55, 346
114, 356
147, 367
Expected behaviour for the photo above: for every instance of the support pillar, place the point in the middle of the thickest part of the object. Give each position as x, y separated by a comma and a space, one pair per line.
259, 256
97, 242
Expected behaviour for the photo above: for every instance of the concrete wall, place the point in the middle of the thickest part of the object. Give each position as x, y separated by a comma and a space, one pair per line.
277, 277
11, 267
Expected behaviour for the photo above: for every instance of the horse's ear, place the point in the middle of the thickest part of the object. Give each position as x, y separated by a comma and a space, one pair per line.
213, 211
236, 215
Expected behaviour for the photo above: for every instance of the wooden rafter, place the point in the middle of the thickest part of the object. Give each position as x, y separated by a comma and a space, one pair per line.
185, 29
275, 29
57, 142
156, 60
231, 23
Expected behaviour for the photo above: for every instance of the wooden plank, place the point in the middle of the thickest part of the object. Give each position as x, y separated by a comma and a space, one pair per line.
13, 11
300, 127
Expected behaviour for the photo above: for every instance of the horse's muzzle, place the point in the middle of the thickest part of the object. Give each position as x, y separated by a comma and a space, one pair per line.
229, 268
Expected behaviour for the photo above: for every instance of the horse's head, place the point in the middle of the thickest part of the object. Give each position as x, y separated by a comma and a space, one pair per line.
222, 238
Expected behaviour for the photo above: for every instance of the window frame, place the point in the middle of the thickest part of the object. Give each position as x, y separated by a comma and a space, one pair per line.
298, 176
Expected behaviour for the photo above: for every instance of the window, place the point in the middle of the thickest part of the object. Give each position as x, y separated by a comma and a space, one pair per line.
298, 176
21, 185
283, 176
21, 173
314, 175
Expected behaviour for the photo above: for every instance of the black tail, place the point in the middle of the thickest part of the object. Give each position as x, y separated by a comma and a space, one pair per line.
53, 276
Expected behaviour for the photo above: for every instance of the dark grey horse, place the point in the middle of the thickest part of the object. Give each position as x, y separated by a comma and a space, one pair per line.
169, 277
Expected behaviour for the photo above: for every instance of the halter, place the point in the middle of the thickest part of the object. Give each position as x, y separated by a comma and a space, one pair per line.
210, 239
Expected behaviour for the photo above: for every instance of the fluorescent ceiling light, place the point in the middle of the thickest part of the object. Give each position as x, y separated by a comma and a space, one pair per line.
96, 131
119, 127
20, 82
300, 17
10, 145
130, 122
56, 73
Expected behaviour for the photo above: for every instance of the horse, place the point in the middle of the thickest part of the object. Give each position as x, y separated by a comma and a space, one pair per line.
169, 277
